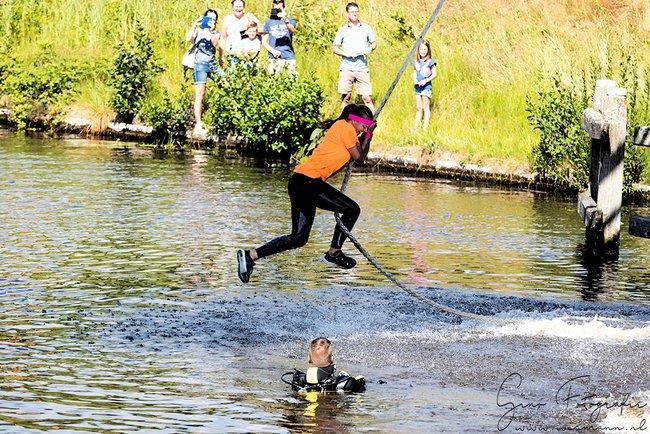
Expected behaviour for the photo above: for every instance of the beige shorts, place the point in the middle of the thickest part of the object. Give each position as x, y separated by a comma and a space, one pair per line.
277, 65
360, 79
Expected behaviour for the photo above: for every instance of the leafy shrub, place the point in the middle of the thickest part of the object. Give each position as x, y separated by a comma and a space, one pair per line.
563, 150
273, 114
402, 31
36, 87
562, 153
133, 69
169, 115
301, 154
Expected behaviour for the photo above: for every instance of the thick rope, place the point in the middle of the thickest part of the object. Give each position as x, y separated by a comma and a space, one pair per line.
403, 287
346, 179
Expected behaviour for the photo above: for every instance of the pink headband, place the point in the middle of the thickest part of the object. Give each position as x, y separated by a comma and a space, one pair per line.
364, 121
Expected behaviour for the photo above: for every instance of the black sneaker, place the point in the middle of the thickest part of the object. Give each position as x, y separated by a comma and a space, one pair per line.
340, 259
244, 265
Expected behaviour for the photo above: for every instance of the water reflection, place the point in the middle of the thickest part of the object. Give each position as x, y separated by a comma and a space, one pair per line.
316, 412
599, 276
121, 309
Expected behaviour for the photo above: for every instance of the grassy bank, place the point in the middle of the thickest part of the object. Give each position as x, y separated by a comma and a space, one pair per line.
492, 54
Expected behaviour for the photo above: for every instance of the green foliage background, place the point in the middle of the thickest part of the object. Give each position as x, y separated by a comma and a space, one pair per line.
492, 54
271, 113
133, 70
563, 149
37, 88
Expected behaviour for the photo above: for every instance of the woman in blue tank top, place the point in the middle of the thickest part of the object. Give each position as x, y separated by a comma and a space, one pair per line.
206, 37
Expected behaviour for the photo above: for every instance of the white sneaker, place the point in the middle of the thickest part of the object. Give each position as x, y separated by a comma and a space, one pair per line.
199, 130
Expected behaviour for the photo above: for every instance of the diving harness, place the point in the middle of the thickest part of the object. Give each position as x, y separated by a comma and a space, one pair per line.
325, 379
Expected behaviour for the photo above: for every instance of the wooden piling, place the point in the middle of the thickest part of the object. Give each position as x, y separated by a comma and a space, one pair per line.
639, 226
642, 136
600, 205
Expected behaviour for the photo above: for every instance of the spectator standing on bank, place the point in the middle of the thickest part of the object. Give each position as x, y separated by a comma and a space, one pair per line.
424, 72
353, 42
278, 40
205, 35
250, 46
234, 26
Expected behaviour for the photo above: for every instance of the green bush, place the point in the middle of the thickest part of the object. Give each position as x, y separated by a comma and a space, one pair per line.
274, 114
168, 114
401, 30
133, 70
563, 149
562, 153
36, 87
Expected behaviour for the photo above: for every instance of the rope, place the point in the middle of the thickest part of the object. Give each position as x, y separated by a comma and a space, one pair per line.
346, 179
405, 64
406, 289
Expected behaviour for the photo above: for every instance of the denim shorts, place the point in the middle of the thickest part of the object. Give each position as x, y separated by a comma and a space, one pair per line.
202, 70
425, 90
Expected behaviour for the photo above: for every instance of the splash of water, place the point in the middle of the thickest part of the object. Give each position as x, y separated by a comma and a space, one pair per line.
611, 330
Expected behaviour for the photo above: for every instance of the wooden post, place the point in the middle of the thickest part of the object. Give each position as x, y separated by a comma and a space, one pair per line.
599, 94
642, 136
606, 124
610, 190
639, 225
596, 130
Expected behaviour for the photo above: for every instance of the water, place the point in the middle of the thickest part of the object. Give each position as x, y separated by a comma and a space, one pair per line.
121, 310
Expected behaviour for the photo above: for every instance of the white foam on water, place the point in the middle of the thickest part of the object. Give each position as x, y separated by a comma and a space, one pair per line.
568, 327
631, 418
449, 334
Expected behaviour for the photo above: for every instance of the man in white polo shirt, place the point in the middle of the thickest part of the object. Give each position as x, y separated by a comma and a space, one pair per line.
353, 42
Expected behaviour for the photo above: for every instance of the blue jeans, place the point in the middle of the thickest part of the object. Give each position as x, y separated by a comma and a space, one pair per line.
202, 70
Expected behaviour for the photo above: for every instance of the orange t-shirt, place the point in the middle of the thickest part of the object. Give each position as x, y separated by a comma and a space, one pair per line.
331, 153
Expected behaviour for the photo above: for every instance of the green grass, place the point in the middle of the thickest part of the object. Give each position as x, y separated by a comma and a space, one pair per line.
491, 53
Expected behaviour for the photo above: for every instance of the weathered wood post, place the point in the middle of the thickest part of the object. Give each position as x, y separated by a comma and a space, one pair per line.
639, 225
600, 205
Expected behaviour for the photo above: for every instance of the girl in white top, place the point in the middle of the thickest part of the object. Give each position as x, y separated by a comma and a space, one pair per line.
234, 24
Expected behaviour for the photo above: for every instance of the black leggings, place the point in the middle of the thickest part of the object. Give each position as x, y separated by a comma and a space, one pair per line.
306, 195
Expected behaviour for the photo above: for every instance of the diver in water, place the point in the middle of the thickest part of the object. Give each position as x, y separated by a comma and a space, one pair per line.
308, 190
322, 374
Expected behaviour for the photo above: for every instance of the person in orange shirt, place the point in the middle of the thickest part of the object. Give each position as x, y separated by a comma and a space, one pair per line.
308, 190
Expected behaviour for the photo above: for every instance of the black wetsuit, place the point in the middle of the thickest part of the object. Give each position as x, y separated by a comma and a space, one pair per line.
306, 195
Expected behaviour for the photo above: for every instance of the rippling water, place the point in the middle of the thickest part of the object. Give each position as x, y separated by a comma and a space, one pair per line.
121, 309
